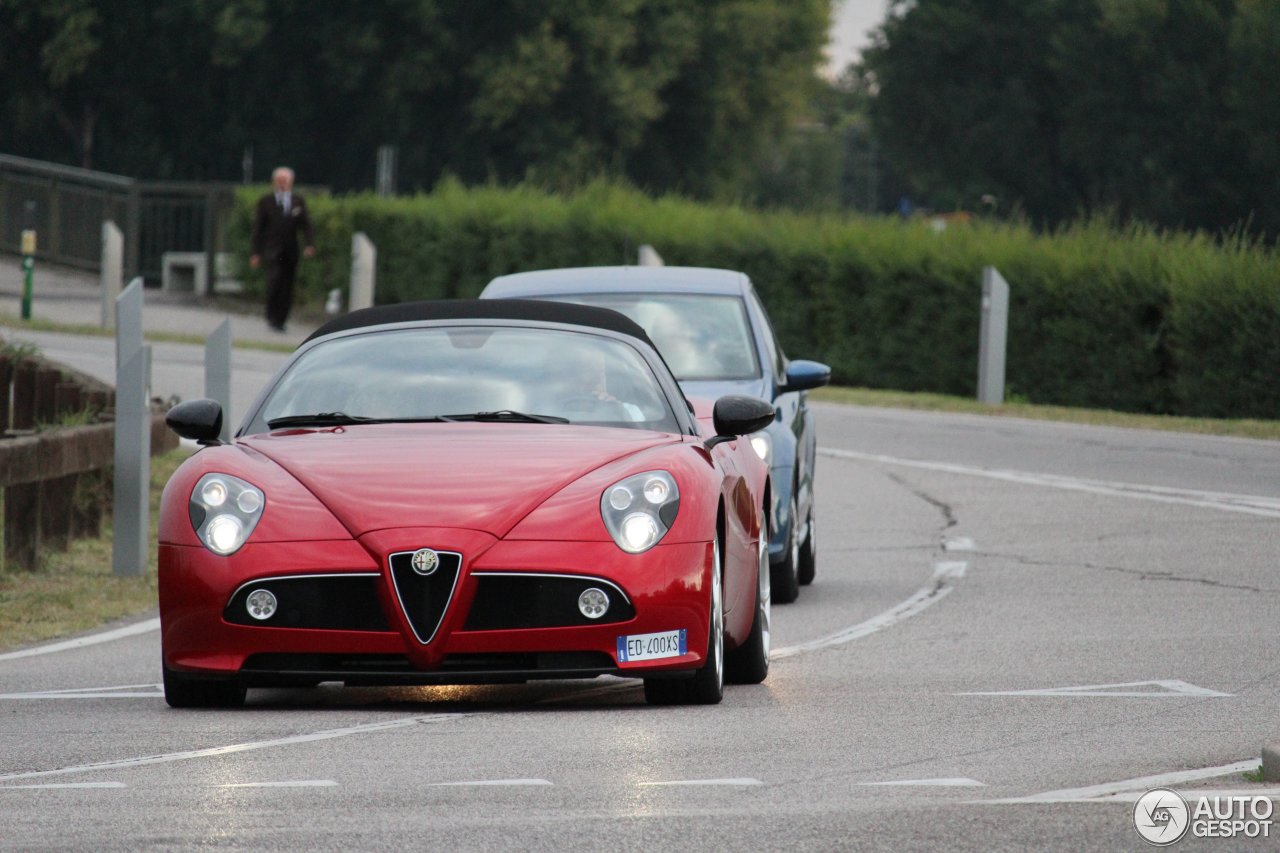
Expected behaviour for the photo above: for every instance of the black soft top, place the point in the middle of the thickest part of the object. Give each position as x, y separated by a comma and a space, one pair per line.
538, 310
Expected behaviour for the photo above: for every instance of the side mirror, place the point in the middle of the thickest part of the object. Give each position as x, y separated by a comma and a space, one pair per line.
199, 420
803, 375
736, 415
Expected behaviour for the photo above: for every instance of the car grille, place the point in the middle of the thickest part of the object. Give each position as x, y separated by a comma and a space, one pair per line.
424, 599
381, 669
337, 602
529, 600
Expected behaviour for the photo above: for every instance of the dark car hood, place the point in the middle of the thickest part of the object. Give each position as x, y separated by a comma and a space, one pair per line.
712, 389
470, 475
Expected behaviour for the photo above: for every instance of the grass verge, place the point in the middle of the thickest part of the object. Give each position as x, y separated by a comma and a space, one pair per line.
75, 590
1242, 428
36, 324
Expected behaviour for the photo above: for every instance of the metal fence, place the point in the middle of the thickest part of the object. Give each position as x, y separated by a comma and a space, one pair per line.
71, 204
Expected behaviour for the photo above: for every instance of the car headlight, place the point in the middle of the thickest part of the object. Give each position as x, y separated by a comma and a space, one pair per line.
639, 510
762, 444
224, 510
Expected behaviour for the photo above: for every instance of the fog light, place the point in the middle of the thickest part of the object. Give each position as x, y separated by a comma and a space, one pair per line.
593, 603
261, 604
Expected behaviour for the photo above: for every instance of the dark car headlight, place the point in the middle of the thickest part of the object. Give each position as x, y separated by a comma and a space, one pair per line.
224, 510
639, 510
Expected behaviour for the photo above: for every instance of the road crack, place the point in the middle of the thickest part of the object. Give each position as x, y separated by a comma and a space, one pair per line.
1140, 574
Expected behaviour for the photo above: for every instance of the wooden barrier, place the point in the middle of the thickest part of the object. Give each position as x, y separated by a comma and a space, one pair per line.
56, 481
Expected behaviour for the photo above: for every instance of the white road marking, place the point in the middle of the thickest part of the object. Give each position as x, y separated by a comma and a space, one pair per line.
960, 543
62, 786
1140, 784
1225, 501
81, 642
306, 783
364, 728
1189, 794
960, 782
944, 576
699, 782
492, 783
125, 691
1168, 688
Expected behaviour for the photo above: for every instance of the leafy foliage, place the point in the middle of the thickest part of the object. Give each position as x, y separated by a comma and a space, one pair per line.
1155, 110
1133, 320
665, 93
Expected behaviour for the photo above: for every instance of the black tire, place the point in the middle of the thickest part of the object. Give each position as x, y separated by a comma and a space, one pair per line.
785, 573
808, 566
706, 687
749, 663
183, 692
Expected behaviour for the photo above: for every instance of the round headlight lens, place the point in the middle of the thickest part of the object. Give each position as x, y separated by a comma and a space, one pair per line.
619, 497
224, 533
214, 493
639, 531
250, 501
656, 491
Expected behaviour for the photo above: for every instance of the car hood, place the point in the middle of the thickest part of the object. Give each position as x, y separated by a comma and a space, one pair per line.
713, 389
471, 475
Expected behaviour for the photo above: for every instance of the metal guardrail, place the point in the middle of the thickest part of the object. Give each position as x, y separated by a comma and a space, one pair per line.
71, 204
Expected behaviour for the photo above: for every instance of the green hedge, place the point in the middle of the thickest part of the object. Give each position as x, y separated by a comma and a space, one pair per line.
1132, 320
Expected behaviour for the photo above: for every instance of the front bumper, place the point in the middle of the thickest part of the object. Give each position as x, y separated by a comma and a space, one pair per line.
510, 614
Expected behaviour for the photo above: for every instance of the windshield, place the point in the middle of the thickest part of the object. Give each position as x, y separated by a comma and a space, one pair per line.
491, 373
700, 336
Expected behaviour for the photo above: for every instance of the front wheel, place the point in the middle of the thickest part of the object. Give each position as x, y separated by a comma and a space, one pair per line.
706, 687
181, 691
749, 663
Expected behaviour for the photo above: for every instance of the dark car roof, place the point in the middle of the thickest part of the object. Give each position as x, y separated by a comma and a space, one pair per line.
620, 279
486, 309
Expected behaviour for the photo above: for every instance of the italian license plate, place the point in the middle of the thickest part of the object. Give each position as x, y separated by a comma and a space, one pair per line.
664, 644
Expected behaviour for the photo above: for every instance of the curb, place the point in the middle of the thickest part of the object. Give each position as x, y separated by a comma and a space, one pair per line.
1271, 762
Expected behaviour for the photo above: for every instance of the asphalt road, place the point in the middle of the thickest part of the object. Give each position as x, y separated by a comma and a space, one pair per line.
1015, 630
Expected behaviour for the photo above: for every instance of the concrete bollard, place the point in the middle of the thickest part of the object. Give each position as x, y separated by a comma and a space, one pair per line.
1271, 762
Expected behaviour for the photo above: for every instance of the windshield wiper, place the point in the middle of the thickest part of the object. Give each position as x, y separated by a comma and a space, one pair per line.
506, 416
319, 419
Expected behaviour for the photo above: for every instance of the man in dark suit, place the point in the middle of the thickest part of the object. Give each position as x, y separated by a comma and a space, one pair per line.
280, 215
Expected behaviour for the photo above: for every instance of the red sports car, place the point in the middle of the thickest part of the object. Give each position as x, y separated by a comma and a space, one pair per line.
468, 492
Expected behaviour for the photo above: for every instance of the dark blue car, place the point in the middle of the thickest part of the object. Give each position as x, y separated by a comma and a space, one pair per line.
716, 337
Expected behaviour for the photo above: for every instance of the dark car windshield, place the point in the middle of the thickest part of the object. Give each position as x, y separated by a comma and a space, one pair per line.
495, 374
701, 336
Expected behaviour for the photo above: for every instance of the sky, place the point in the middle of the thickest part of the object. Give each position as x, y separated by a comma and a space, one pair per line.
849, 31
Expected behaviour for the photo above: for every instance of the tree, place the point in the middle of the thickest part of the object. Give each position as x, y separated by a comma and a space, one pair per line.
668, 94
1159, 110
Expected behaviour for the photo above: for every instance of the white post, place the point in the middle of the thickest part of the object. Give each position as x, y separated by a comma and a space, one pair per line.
112, 274
994, 337
217, 372
649, 257
364, 259
132, 488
